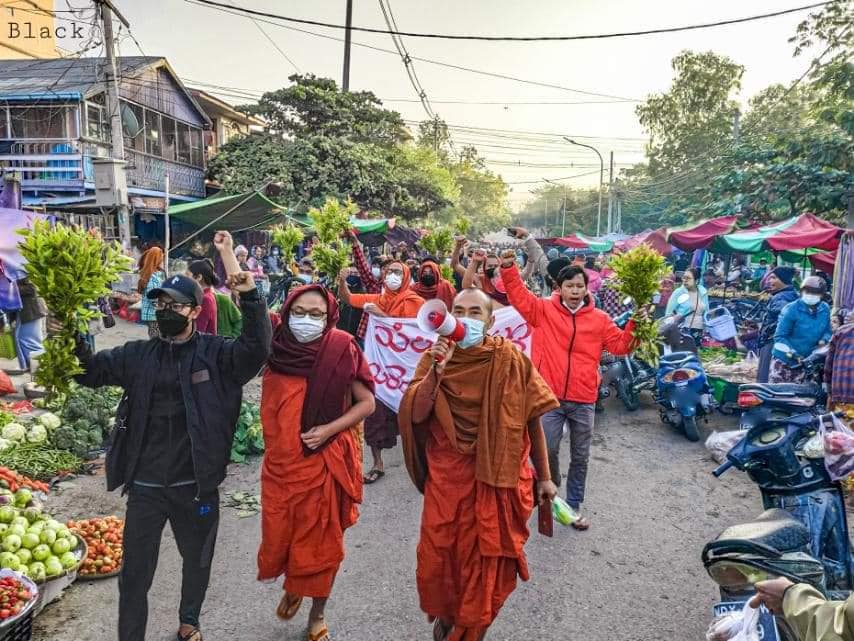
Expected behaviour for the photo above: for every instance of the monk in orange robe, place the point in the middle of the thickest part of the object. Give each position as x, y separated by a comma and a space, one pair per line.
397, 300
315, 394
469, 422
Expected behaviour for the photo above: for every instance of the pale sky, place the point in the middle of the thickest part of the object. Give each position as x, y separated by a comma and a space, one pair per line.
203, 44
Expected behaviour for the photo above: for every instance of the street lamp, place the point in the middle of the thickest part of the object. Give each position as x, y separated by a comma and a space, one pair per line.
563, 225
601, 178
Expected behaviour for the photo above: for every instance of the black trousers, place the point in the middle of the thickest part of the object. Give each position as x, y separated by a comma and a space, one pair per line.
194, 524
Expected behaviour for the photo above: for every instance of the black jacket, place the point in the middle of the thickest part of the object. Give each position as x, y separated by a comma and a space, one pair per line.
212, 376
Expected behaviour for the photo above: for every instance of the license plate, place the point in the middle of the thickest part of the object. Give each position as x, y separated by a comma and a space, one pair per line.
767, 625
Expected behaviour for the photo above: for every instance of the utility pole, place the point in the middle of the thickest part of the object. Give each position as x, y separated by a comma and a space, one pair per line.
611, 221
345, 83
601, 180
113, 108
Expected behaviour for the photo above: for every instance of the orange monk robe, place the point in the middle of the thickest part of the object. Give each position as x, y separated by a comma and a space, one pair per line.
307, 501
470, 459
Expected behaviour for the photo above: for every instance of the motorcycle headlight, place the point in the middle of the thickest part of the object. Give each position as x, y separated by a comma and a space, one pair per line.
736, 576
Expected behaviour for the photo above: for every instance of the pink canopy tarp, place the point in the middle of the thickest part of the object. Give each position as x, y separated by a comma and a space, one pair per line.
656, 238
701, 235
809, 231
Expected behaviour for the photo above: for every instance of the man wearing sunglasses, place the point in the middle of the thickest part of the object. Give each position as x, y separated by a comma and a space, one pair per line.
173, 435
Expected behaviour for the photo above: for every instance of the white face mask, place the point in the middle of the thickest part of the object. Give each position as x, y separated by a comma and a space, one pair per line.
306, 278
393, 282
811, 299
306, 329
376, 271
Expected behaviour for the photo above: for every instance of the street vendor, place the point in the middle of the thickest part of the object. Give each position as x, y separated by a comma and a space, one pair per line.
803, 326
173, 435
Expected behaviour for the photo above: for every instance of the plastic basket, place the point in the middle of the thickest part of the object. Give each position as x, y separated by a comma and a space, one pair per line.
720, 324
21, 627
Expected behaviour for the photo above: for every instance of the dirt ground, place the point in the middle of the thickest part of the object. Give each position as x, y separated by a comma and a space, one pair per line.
635, 576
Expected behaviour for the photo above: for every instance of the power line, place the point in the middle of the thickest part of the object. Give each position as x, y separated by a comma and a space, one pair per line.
598, 36
438, 63
278, 48
407, 61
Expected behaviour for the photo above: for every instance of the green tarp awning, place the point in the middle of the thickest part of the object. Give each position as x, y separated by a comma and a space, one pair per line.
236, 212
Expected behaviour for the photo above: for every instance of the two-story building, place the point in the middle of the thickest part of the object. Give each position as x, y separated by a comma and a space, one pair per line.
54, 122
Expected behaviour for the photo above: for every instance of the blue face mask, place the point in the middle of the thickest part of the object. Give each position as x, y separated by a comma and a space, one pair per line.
474, 332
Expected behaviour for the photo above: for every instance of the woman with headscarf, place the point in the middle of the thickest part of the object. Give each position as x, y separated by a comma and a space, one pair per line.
316, 392
151, 276
397, 300
778, 282
202, 271
432, 285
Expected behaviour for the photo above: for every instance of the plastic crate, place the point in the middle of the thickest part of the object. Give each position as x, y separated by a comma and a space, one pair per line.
725, 393
21, 628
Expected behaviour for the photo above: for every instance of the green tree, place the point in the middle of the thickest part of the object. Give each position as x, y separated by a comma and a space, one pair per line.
695, 115
545, 211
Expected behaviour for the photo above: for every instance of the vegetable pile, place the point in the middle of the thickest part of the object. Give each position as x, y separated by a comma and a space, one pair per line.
12, 481
104, 540
71, 269
639, 273
87, 418
249, 436
14, 597
40, 462
32, 543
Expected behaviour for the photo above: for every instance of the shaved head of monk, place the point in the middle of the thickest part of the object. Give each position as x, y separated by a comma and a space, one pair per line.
473, 303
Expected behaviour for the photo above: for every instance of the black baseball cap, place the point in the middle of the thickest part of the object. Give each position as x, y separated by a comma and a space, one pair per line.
181, 289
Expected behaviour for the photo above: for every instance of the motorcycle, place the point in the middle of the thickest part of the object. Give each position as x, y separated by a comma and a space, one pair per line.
628, 375
802, 534
682, 392
761, 401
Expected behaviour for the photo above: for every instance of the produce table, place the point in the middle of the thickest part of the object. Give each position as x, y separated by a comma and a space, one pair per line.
726, 371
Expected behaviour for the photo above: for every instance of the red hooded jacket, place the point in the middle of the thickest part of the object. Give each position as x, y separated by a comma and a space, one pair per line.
566, 348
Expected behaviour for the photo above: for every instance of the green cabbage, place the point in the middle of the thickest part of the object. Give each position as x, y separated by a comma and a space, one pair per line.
50, 421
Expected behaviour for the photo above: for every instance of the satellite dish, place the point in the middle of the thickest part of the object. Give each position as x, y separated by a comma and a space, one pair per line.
130, 124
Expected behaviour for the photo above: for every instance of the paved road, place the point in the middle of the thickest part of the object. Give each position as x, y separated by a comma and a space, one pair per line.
635, 576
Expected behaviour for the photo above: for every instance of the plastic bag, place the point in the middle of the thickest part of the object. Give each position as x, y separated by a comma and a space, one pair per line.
6, 384
735, 626
562, 512
814, 448
838, 449
10, 297
720, 443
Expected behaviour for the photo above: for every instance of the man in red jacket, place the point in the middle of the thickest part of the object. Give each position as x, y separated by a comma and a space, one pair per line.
569, 335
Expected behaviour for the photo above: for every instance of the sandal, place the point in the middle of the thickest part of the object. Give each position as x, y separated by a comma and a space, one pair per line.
320, 635
373, 476
193, 635
581, 524
288, 607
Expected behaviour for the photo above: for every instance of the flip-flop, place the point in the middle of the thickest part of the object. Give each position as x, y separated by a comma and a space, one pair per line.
373, 476
288, 607
194, 635
581, 524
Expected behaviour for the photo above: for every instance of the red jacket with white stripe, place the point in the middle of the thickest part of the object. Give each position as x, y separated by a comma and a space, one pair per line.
566, 348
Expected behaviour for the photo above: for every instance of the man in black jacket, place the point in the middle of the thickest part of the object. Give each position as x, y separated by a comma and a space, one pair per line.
173, 435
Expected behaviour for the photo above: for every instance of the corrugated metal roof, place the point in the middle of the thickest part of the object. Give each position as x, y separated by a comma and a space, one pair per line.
62, 75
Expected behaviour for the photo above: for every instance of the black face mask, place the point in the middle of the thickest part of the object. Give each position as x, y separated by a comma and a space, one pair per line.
353, 281
428, 279
170, 323
490, 272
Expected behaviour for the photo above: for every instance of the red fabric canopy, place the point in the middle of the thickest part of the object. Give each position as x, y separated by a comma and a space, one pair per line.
572, 241
700, 236
657, 239
824, 261
808, 232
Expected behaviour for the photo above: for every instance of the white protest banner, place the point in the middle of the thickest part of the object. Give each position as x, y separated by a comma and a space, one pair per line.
393, 347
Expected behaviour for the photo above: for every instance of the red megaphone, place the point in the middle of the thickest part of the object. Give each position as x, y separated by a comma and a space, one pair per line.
435, 317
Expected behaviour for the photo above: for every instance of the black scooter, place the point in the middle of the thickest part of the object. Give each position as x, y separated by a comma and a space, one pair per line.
628, 375
763, 401
803, 533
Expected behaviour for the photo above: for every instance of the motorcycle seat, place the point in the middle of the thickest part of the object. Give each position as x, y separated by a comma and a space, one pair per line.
773, 528
783, 389
677, 359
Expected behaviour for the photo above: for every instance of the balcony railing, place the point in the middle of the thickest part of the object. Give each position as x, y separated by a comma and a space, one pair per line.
67, 164
44, 164
149, 172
